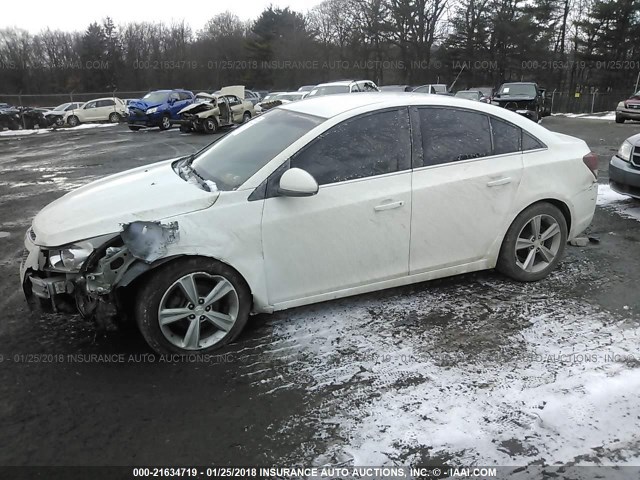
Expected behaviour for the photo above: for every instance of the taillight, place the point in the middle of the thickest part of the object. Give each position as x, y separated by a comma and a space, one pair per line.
591, 161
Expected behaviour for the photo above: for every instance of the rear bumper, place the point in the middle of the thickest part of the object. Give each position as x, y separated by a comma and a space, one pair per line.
624, 178
584, 207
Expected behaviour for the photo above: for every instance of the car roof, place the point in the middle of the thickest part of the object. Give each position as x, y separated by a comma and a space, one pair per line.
340, 83
328, 106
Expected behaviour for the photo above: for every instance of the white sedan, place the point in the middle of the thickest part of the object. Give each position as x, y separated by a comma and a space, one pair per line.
312, 201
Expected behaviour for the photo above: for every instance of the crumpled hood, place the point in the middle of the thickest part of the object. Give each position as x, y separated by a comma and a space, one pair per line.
142, 105
148, 193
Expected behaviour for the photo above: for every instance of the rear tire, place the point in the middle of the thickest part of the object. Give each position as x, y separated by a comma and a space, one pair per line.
534, 243
183, 286
134, 129
115, 117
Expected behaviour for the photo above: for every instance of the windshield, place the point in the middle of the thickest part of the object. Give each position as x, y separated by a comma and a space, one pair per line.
292, 97
61, 108
156, 97
516, 89
469, 95
233, 159
329, 90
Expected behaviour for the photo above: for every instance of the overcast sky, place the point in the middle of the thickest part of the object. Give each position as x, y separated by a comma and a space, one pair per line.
35, 15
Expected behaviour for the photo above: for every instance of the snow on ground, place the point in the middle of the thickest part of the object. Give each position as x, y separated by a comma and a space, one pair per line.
480, 371
589, 116
622, 204
84, 126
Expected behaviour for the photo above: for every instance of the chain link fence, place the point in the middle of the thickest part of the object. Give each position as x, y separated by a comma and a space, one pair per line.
559, 102
591, 102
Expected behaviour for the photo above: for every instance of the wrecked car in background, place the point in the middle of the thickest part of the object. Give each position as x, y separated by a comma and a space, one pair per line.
157, 109
55, 117
279, 99
210, 112
628, 109
18, 118
524, 98
282, 211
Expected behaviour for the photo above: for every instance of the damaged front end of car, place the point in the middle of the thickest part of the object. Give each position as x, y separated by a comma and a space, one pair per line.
92, 276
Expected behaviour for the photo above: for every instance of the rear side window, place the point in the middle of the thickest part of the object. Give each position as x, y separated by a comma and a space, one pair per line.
451, 135
529, 142
506, 137
106, 103
365, 146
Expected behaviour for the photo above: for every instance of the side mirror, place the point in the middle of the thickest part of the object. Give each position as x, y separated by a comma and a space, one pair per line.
296, 182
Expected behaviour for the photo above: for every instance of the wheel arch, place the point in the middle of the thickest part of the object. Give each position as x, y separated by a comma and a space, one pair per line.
139, 271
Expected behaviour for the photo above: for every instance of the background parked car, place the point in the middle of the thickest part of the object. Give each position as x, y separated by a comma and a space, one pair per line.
629, 109
210, 112
396, 88
56, 115
434, 88
624, 168
474, 95
306, 88
109, 109
280, 99
158, 109
524, 98
252, 96
18, 118
345, 86
487, 92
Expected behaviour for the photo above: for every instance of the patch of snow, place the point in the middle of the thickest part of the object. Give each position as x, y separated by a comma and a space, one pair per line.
589, 116
621, 204
22, 133
478, 372
87, 126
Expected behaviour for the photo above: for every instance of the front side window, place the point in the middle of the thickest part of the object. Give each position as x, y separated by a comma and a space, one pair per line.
364, 146
90, 105
452, 135
329, 90
238, 155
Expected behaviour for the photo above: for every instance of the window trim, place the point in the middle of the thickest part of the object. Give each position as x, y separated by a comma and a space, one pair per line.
418, 136
405, 168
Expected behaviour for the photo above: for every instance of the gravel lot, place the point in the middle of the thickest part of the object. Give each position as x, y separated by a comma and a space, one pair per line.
473, 370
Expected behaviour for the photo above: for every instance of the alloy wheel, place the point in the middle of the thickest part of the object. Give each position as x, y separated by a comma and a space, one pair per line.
198, 310
538, 243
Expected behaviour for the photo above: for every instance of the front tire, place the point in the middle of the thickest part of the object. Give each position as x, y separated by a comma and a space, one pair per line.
246, 117
210, 125
619, 119
194, 305
165, 122
534, 243
73, 121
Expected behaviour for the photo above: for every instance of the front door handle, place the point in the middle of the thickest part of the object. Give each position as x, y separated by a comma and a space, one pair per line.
388, 206
499, 181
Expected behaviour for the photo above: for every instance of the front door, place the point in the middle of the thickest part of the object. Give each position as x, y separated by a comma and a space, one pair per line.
355, 231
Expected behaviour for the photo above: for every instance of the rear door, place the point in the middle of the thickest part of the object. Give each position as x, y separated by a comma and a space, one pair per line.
464, 186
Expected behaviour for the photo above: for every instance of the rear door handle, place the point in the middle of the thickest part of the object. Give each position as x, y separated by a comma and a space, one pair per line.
499, 181
388, 206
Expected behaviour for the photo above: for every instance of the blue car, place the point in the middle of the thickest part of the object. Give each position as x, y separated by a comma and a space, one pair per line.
157, 109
